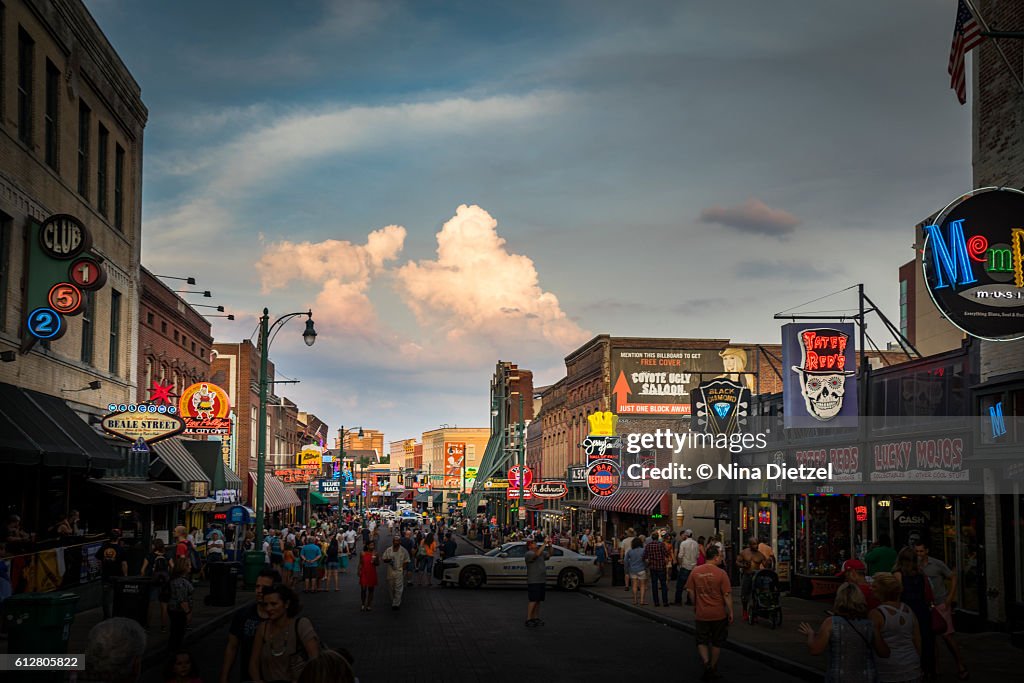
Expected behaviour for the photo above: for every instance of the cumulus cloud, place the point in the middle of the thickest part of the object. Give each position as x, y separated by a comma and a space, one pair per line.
475, 286
753, 217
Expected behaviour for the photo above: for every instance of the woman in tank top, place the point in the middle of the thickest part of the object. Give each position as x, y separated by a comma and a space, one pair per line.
899, 629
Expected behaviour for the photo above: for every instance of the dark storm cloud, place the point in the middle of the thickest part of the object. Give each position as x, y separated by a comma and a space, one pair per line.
753, 217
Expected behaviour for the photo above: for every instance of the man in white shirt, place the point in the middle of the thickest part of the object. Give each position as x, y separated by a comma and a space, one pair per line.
624, 548
397, 559
689, 552
350, 541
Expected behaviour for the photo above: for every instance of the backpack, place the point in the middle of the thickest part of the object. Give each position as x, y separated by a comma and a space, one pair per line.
195, 558
161, 569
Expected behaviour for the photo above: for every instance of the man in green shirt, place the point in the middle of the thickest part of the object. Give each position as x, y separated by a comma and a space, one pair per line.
881, 557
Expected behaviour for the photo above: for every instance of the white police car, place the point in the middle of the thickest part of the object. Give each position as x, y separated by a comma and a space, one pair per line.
506, 566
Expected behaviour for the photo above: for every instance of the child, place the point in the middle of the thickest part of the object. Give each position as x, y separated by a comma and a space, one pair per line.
182, 669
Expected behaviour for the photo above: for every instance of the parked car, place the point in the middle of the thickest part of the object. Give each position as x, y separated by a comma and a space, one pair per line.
506, 566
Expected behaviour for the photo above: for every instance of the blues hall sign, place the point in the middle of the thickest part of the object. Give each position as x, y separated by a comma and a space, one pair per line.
973, 263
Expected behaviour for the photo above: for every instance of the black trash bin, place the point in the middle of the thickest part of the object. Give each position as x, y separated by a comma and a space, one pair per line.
39, 623
131, 598
223, 578
618, 572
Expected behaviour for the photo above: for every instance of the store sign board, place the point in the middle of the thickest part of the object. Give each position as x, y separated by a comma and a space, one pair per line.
577, 475
496, 483
206, 409
603, 479
722, 406
310, 455
514, 476
846, 461
329, 487
817, 361
920, 460
147, 426
973, 263
549, 489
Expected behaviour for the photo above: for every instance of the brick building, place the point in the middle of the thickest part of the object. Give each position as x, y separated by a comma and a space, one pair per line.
235, 368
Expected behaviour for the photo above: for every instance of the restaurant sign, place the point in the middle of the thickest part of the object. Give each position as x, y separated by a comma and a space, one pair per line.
549, 489
845, 461
142, 424
206, 409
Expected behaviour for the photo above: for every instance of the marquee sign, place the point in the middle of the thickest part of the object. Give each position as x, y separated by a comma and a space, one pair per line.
722, 406
142, 424
206, 409
817, 360
603, 479
549, 489
973, 263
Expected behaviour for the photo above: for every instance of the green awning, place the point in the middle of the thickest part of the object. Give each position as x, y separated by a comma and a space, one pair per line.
316, 499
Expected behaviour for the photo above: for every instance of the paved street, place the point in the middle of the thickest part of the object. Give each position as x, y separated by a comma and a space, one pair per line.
460, 635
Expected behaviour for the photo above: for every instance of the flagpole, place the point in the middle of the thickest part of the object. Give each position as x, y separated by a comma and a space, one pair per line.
995, 41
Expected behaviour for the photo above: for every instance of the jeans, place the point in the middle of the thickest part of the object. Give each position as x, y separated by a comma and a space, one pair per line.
746, 588
658, 576
684, 575
107, 600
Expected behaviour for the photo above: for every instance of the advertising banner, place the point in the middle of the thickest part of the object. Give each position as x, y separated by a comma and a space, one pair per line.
920, 460
847, 463
206, 409
659, 382
310, 455
722, 406
454, 460
973, 263
817, 360
331, 488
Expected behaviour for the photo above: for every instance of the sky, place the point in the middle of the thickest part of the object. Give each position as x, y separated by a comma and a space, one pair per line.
450, 184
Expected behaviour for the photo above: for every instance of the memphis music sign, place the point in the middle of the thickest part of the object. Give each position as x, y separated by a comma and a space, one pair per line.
974, 266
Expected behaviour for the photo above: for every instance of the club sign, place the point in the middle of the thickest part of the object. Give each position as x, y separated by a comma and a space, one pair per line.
973, 263
549, 489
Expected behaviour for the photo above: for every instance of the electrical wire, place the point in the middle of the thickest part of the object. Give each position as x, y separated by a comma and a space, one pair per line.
818, 299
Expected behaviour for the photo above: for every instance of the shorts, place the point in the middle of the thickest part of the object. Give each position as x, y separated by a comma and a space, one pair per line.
535, 592
276, 558
309, 572
713, 633
334, 565
639, 576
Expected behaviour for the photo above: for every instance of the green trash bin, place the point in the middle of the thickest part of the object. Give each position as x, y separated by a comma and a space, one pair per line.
39, 623
255, 560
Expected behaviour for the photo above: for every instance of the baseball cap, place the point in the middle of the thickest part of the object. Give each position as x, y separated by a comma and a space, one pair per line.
688, 532
852, 565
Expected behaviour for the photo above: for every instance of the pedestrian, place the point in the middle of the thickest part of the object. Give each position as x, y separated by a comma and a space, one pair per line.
900, 631
285, 641
333, 565
625, 545
686, 562
601, 553
701, 550
157, 567
112, 565
368, 563
409, 543
536, 579
329, 667
937, 573
310, 555
881, 557
750, 560
114, 651
656, 560
917, 595
636, 569
215, 547
242, 632
711, 592
429, 547
182, 668
765, 549
276, 551
179, 606
397, 559
852, 571
852, 640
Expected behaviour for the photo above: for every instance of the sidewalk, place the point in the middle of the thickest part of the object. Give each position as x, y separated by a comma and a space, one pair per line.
205, 620
987, 655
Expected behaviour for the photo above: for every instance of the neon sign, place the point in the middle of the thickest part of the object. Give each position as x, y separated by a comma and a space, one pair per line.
861, 513
973, 261
998, 423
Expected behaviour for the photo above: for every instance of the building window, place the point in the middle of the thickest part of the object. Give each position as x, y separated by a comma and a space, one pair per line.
115, 331
51, 120
193, 347
163, 326
103, 141
184, 340
84, 119
88, 314
6, 225
176, 335
26, 57
149, 318
119, 187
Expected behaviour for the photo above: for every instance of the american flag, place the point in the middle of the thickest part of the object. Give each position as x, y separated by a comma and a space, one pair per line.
966, 36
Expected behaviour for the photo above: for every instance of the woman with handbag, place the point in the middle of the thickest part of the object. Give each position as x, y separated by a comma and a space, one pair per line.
917, 595
852, 640
285, 641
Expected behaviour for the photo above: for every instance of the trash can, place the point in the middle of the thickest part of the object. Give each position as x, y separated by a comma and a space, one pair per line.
255, 560
223, 578
618, 572
39, 623
131, 598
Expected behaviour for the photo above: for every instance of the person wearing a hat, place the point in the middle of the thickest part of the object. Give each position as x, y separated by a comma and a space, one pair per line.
853, 572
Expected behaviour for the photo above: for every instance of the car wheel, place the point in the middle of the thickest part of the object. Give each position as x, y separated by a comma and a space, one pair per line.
570, 580
472, 577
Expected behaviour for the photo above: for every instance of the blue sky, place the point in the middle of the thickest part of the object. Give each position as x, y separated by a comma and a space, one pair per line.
678, 169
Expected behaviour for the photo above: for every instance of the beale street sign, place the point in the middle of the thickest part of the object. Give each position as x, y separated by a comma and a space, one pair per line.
140, 425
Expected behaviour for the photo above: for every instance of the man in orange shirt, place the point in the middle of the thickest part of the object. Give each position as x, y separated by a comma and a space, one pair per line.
711, 591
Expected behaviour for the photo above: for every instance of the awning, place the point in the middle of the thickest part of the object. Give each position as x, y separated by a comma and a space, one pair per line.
202, 505
425, 497
39, 429
145, 492
276, 496
631, 501
407, 495
209, 457
232, 480
316, 499
177, 458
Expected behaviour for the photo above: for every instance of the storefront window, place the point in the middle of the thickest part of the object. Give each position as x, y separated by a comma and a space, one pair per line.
828, 534
969, 556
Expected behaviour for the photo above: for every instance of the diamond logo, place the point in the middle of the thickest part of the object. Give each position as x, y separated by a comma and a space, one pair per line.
722, 408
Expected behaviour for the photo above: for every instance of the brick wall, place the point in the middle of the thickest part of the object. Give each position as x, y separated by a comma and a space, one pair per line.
998, 106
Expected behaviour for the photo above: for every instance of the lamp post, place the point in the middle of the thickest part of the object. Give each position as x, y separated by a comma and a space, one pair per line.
308, 336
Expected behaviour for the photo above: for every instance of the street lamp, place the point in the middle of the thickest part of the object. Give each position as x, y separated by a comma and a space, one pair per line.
341, 441
309, 336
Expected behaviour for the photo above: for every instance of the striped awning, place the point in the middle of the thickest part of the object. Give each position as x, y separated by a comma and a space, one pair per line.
276, 496
631, 501
177, 458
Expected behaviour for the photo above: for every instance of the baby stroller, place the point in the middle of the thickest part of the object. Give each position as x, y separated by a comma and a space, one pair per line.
766, 598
